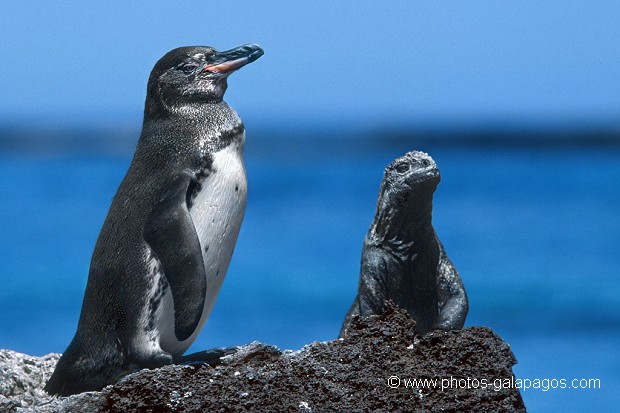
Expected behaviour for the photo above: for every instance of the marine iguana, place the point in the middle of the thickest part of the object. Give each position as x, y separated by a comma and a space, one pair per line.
403, 259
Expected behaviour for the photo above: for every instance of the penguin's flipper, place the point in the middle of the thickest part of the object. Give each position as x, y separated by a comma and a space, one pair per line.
170, 232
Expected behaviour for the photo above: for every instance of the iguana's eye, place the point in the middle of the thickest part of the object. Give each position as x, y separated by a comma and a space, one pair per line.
402, 168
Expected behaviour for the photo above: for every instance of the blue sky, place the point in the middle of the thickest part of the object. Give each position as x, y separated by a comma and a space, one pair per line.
437, 60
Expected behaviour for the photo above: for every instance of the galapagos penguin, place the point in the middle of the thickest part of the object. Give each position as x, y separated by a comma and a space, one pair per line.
168, 238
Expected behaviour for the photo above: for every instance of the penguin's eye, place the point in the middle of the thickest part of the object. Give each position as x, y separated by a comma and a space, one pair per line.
188, 68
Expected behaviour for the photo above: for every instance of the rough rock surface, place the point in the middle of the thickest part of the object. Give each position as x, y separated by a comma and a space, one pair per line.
350, 374
22, 378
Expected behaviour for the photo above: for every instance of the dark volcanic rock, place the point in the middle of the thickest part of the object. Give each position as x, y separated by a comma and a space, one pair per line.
371, 369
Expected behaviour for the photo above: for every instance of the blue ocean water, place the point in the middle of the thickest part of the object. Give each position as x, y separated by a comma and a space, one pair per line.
533, 230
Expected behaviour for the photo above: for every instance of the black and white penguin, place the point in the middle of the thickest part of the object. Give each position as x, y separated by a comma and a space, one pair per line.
169, 235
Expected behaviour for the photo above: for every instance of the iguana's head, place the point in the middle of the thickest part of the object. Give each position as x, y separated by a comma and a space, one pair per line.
405, 199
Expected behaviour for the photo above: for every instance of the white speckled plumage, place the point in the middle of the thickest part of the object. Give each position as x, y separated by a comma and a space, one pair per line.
217, 212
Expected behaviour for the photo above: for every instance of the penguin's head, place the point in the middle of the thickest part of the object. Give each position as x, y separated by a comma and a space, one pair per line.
193, 75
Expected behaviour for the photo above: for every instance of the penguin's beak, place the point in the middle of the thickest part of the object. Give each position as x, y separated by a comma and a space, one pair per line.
227, 62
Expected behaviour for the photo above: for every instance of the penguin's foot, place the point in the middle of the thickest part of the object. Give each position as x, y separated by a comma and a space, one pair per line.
212, 357
157, 360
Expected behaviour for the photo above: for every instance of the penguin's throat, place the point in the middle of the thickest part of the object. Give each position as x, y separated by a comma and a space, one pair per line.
189, 101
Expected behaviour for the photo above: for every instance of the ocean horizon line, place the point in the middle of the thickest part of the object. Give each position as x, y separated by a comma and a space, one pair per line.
120, 140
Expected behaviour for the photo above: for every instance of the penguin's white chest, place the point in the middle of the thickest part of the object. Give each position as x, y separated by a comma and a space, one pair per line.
217, 212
